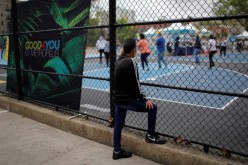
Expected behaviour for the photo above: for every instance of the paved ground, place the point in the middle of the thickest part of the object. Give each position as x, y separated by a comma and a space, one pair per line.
222, 121
26, 142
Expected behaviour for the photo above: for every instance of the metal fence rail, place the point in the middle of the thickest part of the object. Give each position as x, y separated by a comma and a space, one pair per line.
198, 102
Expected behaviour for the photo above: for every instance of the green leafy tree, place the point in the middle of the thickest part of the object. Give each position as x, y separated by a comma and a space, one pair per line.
232, 7
93, 34
124, 32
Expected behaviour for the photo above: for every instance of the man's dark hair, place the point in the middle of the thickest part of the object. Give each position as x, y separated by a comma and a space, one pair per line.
142, 36
129, 45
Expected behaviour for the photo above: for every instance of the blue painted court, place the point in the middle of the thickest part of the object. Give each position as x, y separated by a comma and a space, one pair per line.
3, 62
180, 75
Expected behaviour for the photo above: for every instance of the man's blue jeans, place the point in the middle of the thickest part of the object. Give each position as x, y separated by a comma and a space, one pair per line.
161, 58
196, 55
120, 115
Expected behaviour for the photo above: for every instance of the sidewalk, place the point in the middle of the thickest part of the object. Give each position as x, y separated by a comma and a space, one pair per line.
27, 142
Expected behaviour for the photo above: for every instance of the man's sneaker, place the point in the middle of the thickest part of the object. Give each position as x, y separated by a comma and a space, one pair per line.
154, 139
122, 154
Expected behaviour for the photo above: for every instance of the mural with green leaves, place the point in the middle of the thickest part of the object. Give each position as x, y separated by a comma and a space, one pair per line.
48, 44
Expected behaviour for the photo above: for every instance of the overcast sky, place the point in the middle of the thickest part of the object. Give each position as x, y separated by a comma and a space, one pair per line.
151, 10
164, 9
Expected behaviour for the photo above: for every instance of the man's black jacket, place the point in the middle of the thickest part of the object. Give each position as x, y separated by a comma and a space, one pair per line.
126, 81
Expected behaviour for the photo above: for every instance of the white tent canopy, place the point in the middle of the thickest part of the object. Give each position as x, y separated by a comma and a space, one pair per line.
178, 28
174, 26
150, 31
243, 35
204, 30
190, 27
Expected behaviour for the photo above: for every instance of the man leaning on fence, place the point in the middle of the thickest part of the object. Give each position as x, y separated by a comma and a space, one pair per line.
127, 96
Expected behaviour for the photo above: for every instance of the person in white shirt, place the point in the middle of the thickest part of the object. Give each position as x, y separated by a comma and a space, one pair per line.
212, 50
100, 45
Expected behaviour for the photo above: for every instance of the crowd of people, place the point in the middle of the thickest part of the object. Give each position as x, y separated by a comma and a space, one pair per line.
102, 45
162, 46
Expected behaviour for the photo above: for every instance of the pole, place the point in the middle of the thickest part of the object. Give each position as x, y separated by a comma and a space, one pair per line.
16, 49
112, 43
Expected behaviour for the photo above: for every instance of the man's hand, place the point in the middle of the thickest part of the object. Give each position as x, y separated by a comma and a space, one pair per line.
149, 104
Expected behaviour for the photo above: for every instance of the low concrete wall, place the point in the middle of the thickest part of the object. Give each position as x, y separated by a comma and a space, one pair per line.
167, 154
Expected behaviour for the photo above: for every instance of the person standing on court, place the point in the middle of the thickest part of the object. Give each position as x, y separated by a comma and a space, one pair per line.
176, 46
212, 50
239, 46
223, 46
127, 95
144, 50
197, 49
106, 52
100, 45
160, 43
169, 48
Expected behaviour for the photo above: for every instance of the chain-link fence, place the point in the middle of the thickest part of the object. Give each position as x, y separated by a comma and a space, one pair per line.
195, 70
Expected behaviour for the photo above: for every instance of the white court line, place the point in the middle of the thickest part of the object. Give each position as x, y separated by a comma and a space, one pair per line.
197, 105
235, 98
106, 90
168, 74
89, 106
192, 67
235, 72
222, 108
3, 111
155, 77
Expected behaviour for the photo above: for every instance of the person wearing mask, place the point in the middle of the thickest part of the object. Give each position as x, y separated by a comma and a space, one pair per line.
127, 95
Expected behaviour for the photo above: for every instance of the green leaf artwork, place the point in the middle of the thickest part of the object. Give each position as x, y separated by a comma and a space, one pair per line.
48, 57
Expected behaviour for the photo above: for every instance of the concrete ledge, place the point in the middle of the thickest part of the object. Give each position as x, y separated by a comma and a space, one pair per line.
167, 154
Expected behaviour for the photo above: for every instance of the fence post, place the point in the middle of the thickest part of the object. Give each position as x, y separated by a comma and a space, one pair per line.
16, 49
112, 42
